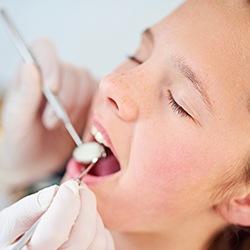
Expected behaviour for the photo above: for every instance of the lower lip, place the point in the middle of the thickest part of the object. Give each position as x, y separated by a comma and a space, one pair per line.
74, 169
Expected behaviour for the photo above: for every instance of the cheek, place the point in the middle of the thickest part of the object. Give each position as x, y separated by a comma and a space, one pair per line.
170, 167
164, 165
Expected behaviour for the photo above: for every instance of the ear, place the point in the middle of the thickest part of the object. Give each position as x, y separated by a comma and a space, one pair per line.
236, 210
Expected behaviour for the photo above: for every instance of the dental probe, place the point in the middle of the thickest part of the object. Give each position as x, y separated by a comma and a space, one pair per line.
29, 59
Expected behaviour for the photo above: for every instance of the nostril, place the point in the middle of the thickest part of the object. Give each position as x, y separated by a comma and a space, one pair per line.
113, 103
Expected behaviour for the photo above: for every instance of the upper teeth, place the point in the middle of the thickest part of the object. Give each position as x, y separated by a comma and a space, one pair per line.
98, 136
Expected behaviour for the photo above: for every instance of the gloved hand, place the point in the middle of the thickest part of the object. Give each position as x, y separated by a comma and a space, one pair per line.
71, 221
34, 139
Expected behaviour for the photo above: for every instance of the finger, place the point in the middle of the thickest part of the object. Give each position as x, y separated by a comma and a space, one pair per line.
50, 69
110, 242
55, 225
18, 218
48, 62
76, 90
77, 95
84, 230
69, 86
74, 96
102, 239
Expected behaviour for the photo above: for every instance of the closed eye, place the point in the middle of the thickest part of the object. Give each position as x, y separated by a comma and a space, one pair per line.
176, 107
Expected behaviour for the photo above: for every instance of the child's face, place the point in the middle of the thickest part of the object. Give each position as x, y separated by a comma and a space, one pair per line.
178, 121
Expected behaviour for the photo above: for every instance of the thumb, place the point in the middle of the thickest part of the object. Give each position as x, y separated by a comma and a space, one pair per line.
30, 93
56, 224
19, 217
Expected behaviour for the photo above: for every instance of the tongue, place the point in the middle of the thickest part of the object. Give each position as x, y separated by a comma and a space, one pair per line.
105, 166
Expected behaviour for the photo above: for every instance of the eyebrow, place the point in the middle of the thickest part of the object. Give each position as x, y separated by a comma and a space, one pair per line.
183, 67
181, 64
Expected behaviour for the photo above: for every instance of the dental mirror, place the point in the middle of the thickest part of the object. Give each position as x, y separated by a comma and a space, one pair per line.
88, 153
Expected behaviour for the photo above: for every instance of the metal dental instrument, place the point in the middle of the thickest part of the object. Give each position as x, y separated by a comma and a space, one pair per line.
29, 59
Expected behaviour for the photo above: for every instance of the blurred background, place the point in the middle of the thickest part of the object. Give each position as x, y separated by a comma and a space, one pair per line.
92, 33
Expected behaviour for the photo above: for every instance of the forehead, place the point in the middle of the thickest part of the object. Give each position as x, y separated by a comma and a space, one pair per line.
215, 34
217, 24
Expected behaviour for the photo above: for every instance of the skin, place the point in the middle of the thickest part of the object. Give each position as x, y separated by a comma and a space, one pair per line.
174, 163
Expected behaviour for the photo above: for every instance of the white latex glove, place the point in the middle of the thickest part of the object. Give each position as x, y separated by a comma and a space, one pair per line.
33, 137
71, 222
19, 217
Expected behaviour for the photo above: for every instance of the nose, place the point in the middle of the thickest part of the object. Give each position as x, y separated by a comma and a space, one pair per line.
120, 93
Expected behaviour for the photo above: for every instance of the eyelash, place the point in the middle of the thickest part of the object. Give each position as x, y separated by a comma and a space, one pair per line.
134, 59
176, 107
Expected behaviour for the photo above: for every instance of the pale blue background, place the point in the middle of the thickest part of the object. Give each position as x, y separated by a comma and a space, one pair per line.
92, 33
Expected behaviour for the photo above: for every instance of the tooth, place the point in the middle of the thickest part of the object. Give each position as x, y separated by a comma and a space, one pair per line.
99, 137
105, 143
94, 130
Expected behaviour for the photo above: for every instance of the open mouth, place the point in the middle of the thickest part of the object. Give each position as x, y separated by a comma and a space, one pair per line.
105, 166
